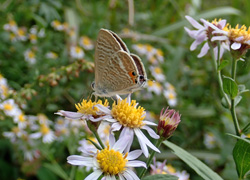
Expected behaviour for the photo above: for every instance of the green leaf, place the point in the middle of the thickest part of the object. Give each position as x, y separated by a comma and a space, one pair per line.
241, 154
160, 177
237, 100
223, 64
199, 167
245, 129
45, 174
56, 168
242, 88
230, 87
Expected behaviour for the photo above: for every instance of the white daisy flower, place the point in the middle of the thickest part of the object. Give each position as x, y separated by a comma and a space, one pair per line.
57, 25
204, 33
29, 56
11, 26
157, 73
209, 140
51, 55
86, 111
21, 121
10, 108
86, 43
110, 162
21, 34
45, 133
171, 97
140, 48
76, 52
130, 118
182, 175
155, 87
15, 133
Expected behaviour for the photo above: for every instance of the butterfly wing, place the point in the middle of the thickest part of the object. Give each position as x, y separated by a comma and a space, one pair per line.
119, 76
141, 70
106, 45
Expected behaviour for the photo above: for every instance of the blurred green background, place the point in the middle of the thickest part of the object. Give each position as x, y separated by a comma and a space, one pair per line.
53, 84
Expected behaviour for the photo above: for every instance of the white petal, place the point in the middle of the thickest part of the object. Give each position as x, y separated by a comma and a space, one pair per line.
134, 154
36, 135
239, 38
129, 173
210, 24
204, 50
80, 160
223, 23
219, 38
129, 98
111, 139
150, 123
103, 108
121, 177
94, 175
69, 114
194, 22
151, 132
116, 126
122, 143
143, 138
236, 46
142, 145
136, 164
91, 118
197, 42
191, 33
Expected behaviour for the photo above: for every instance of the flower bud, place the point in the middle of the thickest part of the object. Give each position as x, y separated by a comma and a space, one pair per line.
168, 122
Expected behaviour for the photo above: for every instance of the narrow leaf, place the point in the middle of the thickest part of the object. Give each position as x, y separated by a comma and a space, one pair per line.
223, 64
245, 129
237, 100
230, 87
241, 154
55, 168
160, 177
199, 167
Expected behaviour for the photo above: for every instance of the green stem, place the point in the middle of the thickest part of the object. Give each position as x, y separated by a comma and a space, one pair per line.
158, 143
216, 65
232, 109
98, 138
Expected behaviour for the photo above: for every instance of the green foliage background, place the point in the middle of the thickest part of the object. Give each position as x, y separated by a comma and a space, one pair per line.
194, 79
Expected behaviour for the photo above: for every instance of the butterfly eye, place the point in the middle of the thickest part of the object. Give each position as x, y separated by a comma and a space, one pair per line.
133, 73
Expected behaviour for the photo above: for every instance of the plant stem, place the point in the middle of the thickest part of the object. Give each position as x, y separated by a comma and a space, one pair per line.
232, 109
216, 65
158, 143
98, 138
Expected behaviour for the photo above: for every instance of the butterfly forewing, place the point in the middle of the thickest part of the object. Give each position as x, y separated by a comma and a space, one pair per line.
117, 74
116, 70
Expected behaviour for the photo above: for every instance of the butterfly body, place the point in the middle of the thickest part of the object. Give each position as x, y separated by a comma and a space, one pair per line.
116, 70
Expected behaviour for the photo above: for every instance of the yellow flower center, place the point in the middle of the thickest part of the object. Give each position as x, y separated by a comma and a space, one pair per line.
78, 50
56, 23
159, 52
60, 122
86, 107
20, 32
111, 162
33, 37
44, 129
8, 107
31, 55
21, 118
171, 169
237, 32
12, 23
158, 70
127, 114
150, 83
15, 130
149, 48
171, 96
86, 41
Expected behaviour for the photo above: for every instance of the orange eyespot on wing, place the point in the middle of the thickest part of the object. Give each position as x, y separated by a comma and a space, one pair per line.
132, 74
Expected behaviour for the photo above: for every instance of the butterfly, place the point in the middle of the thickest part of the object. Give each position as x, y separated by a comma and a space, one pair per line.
117, 71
